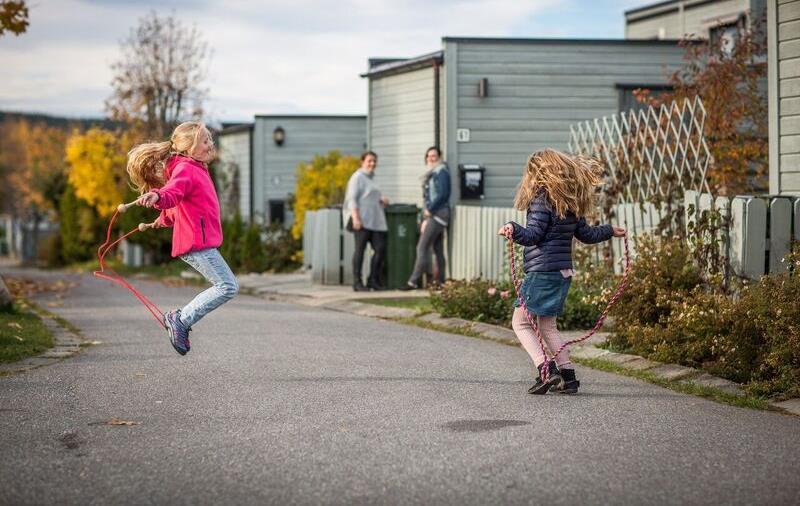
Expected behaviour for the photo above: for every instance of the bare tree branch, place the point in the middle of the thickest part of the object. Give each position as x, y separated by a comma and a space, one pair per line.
161, 70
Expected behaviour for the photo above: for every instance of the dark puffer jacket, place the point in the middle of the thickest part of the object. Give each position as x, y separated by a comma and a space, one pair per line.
548, 238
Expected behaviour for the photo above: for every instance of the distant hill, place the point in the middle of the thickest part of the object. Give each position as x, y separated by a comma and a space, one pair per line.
60, 121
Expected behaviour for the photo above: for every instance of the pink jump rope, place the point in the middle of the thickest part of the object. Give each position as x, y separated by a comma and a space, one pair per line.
545, 372
110, 275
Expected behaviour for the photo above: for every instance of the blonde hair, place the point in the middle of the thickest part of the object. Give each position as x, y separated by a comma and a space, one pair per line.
146, 161
567, 181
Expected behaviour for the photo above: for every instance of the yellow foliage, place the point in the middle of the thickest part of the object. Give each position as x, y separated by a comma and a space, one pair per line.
321, 183
97, 168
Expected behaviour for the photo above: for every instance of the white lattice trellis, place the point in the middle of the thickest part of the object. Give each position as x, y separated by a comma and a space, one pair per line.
650, 150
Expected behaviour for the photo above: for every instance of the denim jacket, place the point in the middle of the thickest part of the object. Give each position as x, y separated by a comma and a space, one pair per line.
436, 189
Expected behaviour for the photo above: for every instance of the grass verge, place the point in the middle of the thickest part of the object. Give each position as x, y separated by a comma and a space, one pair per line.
418, 322
421, 305
746, 401
22, 334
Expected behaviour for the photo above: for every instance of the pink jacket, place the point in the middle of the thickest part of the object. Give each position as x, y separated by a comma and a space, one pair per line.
189, 205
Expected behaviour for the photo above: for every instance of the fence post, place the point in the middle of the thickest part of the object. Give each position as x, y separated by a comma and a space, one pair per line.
308, 238
796, 219
780, 232
690, 198
748, 236
723, 205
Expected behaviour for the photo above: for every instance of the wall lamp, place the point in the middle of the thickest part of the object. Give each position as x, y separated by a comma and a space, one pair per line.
279, 135
483, 87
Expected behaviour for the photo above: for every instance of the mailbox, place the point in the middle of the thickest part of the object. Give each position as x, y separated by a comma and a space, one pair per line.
471, 175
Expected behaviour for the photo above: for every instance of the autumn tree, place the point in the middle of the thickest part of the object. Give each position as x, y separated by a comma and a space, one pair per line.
97, 176
13, 17
33, 170
158, 78
97, 161
32, 157
320, 183
730, 77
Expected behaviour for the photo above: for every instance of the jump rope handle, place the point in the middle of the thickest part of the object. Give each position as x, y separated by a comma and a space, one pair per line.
142, 226
124, 207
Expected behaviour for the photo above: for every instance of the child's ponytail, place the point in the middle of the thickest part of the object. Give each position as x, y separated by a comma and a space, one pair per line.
146, 165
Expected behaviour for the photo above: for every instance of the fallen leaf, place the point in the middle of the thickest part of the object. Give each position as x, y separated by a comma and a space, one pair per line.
19, 338
118, 421
15, 325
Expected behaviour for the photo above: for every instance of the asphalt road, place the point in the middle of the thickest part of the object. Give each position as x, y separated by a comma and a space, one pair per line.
285, 404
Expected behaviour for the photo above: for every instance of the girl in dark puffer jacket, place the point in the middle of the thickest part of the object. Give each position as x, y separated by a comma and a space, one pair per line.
557, 191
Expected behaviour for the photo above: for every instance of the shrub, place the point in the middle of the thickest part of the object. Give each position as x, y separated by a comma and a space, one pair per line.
282, 250
751, 336
321, 183
661, 275
493, 302
232, 234
477, 299
254, 248
79, 228
252, 257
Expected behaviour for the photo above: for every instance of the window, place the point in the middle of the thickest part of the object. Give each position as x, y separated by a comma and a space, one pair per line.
726, 35
627, 100
277, 211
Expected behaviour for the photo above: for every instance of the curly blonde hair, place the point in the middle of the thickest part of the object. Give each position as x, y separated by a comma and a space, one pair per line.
568, 182
146, 161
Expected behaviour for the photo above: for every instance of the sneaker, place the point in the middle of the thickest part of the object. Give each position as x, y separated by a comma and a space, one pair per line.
409, 286
569, 384
541, 387
359, 287
178, 332
374, 285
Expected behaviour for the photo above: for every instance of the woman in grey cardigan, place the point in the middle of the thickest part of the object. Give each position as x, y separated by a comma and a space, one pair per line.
436, 197
364, 215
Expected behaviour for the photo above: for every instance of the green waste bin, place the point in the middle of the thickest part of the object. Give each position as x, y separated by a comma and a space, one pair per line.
401, 245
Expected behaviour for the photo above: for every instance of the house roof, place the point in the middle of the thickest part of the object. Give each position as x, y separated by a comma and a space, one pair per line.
655, 5
310, 116
554, 41
234, 128
379, 67
395, 66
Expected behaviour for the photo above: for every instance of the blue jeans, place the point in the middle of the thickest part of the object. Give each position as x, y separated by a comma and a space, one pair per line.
212, 266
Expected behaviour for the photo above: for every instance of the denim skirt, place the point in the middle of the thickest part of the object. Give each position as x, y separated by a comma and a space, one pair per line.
544, 293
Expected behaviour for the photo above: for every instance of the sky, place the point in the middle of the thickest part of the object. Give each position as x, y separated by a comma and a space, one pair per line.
269, 57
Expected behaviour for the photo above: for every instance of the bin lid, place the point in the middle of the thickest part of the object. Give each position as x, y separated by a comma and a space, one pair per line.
402, 208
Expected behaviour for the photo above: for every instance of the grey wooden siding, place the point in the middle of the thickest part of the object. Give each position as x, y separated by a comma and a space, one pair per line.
688, 17
275, 166
536, 90
784, 94
234, 150
401, 111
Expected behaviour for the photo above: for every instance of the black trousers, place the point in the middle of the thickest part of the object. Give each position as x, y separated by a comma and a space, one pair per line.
378, 242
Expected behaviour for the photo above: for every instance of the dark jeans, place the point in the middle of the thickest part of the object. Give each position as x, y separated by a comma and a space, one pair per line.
378, 242
432, 236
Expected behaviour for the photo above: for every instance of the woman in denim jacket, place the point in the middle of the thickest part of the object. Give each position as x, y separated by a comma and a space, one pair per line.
436, 217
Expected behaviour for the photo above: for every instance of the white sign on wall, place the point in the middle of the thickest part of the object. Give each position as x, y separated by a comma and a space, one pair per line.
462, 135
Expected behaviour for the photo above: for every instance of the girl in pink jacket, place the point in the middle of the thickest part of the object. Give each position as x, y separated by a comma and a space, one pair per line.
173, 176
